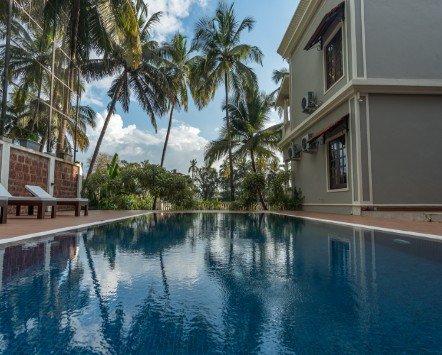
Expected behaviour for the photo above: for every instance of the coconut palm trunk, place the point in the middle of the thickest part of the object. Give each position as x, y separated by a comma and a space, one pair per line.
169, 127
103, 130
163, 155
75, 18
37, 109
261, 197
229, 139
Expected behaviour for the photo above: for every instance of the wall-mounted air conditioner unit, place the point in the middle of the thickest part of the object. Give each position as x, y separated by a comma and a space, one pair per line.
307, 146
309, 103
294, 152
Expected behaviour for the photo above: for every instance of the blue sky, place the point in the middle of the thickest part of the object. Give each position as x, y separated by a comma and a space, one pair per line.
131, 135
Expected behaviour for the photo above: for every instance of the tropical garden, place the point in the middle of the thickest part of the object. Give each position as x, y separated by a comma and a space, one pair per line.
50, 50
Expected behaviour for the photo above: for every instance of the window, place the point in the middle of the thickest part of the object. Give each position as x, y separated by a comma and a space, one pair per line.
333, 60
340, 257
337, 163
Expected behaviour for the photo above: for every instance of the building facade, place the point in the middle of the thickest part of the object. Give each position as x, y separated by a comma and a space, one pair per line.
363, 104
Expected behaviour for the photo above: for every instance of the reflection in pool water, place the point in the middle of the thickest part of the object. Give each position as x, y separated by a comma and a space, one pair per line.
221, 283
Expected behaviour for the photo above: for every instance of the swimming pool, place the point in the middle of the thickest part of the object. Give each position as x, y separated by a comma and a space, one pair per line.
221, 283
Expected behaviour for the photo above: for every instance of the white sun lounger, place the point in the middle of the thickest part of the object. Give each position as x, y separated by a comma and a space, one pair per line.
61, 201
41, 202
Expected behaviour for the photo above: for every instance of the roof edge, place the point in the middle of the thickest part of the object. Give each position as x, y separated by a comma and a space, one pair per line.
296, 27
284, 91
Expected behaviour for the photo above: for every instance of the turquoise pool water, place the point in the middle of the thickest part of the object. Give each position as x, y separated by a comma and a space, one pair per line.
221, 283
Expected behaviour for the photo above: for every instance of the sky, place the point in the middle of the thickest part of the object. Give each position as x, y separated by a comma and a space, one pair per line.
131, 135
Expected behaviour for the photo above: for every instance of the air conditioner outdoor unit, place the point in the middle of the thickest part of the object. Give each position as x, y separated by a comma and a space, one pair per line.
294, 152
309, 147
309, 102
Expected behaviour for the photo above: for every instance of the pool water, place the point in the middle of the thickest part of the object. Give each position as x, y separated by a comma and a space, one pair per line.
221, 283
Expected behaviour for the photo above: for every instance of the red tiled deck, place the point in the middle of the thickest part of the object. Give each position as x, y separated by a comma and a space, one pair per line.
18, 226
23, 225
434, 228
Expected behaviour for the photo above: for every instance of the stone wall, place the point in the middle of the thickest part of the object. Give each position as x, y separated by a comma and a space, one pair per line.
26, 168
65, 179
21, 166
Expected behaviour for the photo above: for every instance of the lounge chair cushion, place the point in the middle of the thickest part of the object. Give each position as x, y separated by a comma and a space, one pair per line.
3, 192
39, 192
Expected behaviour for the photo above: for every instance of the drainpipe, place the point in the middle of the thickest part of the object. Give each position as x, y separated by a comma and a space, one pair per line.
6, 69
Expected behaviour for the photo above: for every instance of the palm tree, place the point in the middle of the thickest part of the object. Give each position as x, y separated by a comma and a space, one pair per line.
193, 168
92, 25
224, 60
143, 79
27, 111
22, 121
113, 168
177, 63
249, 136
279, 74
277, 77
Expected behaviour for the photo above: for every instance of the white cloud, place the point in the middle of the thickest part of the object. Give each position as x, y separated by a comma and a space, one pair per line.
174, 11
95, 92
135, 145
274, 119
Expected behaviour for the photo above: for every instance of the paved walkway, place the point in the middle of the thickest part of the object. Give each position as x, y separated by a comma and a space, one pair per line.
18, 226
434, 228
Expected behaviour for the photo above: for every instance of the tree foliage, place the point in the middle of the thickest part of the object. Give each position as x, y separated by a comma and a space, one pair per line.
282, 197
135, 185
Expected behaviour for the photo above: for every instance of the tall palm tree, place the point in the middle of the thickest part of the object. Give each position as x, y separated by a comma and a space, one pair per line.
224, 60
23, 123
249, 135
92, 25
30, 52
193, 168
143, 79
278, 76
177, 64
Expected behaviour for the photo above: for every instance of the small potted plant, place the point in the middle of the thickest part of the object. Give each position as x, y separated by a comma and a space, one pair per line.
30, 142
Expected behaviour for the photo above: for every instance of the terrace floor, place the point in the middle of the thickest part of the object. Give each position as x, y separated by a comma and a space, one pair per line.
434, 228
23, 225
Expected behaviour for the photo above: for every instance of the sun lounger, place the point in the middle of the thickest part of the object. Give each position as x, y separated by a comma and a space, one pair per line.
31, 202
61, 201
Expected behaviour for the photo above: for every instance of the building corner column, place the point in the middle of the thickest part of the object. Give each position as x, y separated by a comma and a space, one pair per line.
5, 157
51, 175
79, 179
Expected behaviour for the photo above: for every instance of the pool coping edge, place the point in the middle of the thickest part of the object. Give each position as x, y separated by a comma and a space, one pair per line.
68, 229
367, 226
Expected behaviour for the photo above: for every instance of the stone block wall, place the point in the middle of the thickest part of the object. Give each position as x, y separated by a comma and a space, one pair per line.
66, 179
21, 166
26, 168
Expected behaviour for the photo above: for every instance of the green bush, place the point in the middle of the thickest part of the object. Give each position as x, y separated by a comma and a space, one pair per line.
281, 199
209, 205
236, 206
126, 202
135, 185
252, 184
